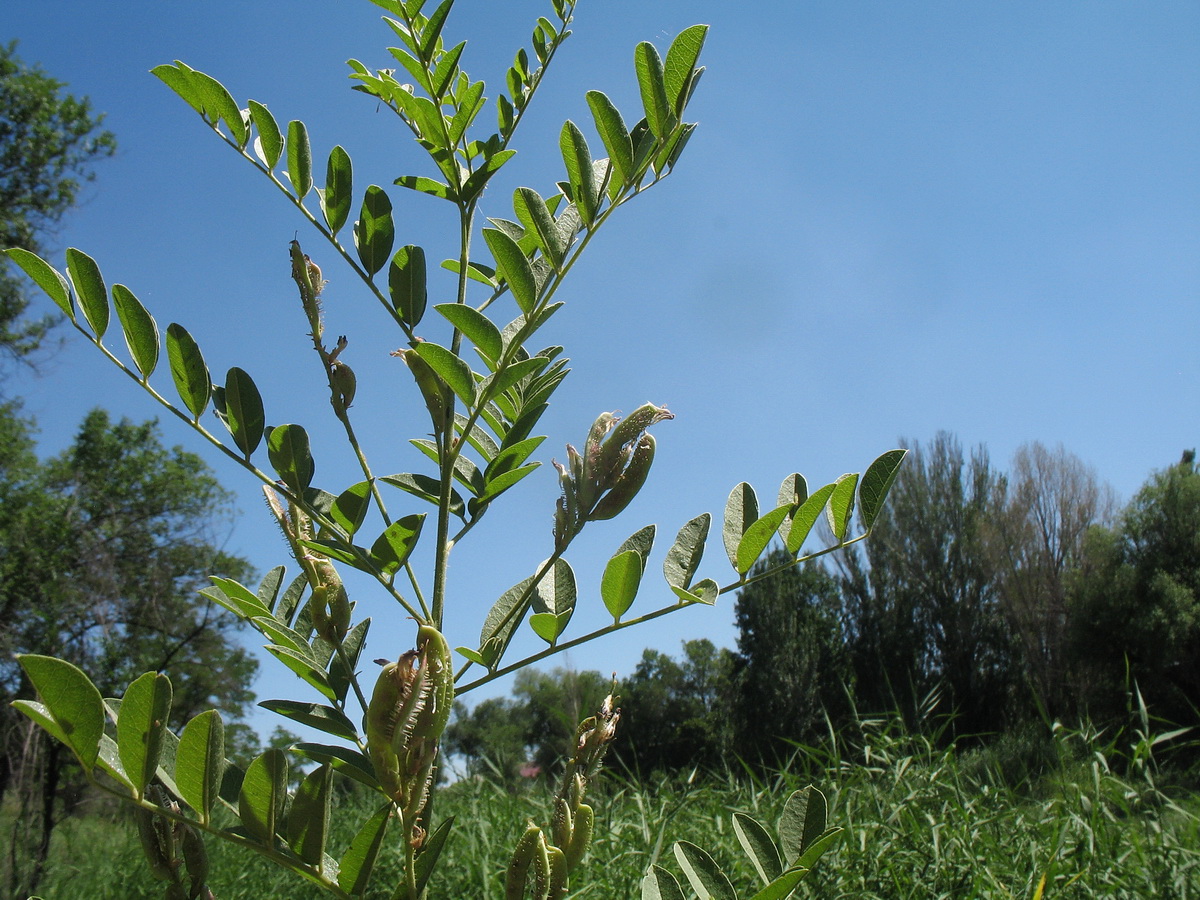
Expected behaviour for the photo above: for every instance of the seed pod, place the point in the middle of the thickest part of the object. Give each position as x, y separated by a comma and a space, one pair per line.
557, 884
148, 826
382, 714
343, 384
628, 430
196, 858
562, 825
542, 870
522, 859
628, 483
581, 836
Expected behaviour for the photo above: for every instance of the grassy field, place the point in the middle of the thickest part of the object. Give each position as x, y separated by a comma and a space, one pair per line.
1072, 815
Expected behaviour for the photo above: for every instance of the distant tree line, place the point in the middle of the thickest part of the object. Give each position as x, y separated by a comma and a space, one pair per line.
1008, 597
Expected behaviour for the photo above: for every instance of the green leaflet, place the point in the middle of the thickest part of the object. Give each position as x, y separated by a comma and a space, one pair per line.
299, 159
659, 884
351, 506
704, 875
268, 146
876, 482
200, 762
354, 871
620, 582
450, 368
392, 548
806, 516
756, 538
263, 796
89, 289
188, 370
841, 505
140, 329
219, 106
432, 849
339, 186
287, 449
802, 822
684, 556
45, 276
649, 66
580, 173
308, 819
741, 511
407, 284
615, 136
477, 327
141, 722
535, 216
374, 232
315, 715
345, 761
554, 601
73, 709
680, 64
793, 491
759, 846
244, 416
513, 265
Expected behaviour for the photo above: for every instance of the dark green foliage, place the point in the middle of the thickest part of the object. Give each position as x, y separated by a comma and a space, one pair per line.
922, 600
1137, 598
48, 142
674, 714
102, 551
791, 665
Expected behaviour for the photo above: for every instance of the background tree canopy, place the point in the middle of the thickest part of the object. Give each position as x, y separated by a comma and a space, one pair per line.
48, 142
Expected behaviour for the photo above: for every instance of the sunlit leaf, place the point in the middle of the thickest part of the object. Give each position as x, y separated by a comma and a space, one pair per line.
759, 846
704, 875
684, 556
426, 488
374, 232
659, 884
619, 584
269, 144
407, 284
649, 67
392, 548
145, 709
554, 601
263, 796
614, 134
450, 368
288, 451
756, 538
200, 762
71, 701
299, 159
244, 411
802, 822
806, 516
339, 187
188, 370
681, 61
45, 276
89, 289
841, 505
350, 508
741, 511
876, 482
578, 160
354, 871
139, 327
308, 819
476, 326
513, 265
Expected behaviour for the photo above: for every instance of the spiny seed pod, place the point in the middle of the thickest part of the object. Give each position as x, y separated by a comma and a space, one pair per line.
150, 833
522, 859
581, 836
562, 825
628, 430
628, 483
196, 858
556, 886
408, 712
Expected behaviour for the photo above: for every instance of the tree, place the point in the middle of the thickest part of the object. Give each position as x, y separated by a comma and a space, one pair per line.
675, 714
1053, 499
791, 665
922, 600
1136, 600
48, 142
491, 737
103, 550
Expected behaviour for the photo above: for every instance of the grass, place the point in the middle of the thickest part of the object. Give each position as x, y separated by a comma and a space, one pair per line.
1075, 814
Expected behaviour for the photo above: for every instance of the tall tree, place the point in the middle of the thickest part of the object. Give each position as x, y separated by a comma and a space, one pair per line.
1137, 598
675, 714
102, 552
1053, 500
49, 140
922, 600
790, 667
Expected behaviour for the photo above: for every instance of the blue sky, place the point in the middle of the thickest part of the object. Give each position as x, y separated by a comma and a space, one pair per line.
893, 219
